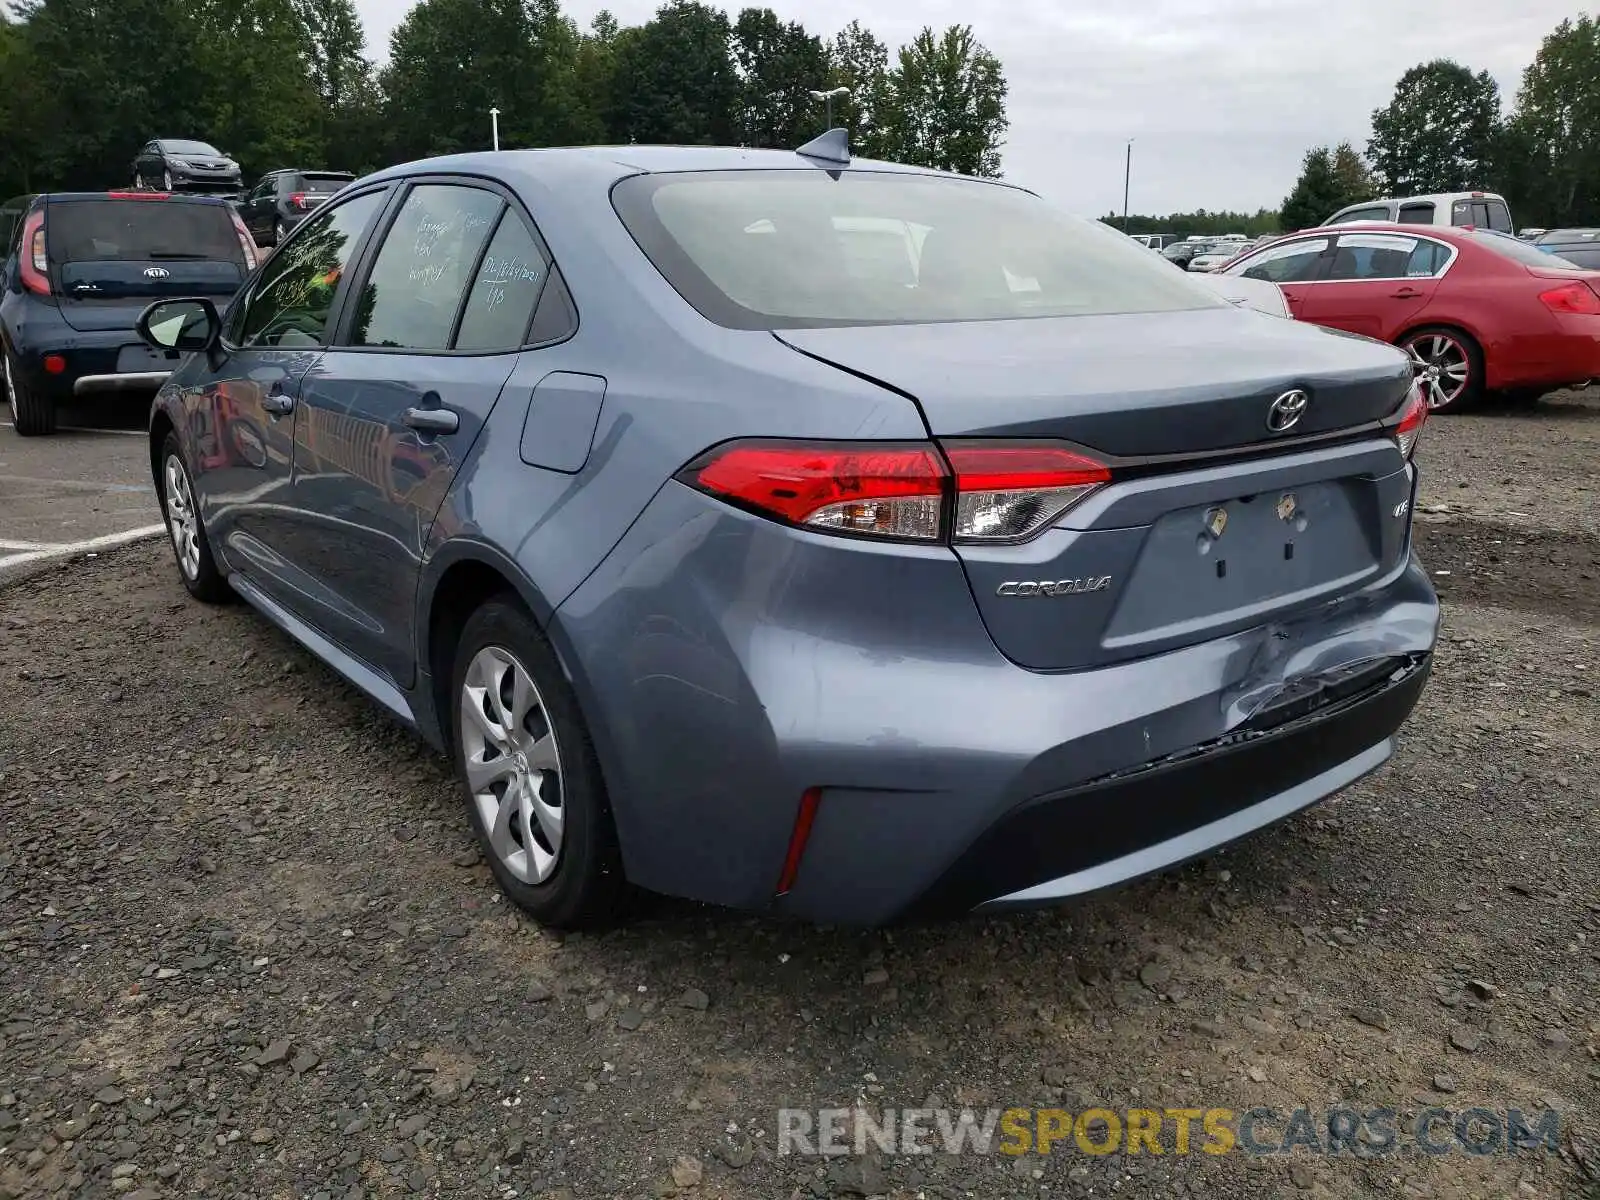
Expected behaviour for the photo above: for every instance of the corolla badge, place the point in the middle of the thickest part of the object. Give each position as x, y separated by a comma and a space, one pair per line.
1054, 587
156, 272
1285, 412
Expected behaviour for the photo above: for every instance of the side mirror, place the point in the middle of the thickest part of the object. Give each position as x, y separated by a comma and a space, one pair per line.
182, 325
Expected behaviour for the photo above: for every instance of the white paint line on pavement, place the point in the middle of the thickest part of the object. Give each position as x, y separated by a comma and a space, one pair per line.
66, 549
8, 544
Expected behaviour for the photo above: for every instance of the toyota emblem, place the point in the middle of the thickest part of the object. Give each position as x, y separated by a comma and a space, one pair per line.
1287, 410
156, 272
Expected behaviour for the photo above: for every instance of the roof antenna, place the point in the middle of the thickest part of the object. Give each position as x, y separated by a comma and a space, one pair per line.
831, 147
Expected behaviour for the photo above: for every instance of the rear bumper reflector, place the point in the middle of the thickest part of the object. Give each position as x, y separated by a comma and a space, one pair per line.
797, 839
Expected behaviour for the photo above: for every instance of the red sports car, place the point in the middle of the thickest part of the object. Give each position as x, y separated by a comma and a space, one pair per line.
1478, 311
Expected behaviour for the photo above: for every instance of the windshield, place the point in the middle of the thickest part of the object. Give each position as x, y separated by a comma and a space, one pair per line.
140, 230
787, 249
182, 147
1517, 251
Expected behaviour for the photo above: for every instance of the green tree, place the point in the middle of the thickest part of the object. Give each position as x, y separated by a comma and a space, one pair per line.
1356, 181
1316, 195
779, 65
1550, 151
675, 81
1182, 225
1438, 133
859, 61
593, 72
451, 61
950, 103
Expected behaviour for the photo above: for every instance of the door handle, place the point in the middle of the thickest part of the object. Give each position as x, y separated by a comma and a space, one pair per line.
278, 404
432, 420
1405, 294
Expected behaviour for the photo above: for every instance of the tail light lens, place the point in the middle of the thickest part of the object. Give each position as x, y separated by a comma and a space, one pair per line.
246, 242
300, 200
1009, 493
1413, 415
991, 492
1577, 297
35, 263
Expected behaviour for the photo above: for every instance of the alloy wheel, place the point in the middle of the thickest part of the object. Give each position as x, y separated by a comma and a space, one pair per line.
11, 390
1443, 367
513, 764
182, 521
166, 181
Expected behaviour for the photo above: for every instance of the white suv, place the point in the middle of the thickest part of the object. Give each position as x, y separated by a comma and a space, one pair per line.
1483, 210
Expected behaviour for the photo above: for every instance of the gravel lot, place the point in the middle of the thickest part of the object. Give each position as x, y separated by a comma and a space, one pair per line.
248, 949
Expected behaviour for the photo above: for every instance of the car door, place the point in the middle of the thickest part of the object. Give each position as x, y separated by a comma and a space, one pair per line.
240, 407
1375, 283
1294, 264
256, 207
392, 409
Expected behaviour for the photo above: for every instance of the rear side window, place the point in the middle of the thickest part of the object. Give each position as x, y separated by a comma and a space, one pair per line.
320, 185
78, 231
1417, 214
412, 295
790, 249
1378, 213
509, 281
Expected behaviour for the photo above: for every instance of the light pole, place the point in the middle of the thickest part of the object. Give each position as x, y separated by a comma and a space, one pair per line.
494, 119
1127, 176
829, 97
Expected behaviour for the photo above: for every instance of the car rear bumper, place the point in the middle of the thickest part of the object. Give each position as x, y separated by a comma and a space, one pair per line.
92, 364
729, 666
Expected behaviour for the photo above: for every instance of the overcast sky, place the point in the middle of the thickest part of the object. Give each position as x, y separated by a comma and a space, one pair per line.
1221, 97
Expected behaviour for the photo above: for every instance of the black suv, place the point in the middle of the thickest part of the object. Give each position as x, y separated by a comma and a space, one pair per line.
81, 266
181, 164
282, 199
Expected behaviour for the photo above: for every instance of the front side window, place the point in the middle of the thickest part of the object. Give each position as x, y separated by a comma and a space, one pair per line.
1286, 262
294, 298
509, 281
413, 293
797, 248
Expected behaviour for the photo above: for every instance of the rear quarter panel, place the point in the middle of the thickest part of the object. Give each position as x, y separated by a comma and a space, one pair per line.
1498, 305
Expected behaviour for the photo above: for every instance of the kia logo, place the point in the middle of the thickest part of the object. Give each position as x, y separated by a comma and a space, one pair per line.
1287, 410
157, 272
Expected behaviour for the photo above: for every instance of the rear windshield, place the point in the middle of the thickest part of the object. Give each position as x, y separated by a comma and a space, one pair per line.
1516, 250
786, 249
323, 185
140, 230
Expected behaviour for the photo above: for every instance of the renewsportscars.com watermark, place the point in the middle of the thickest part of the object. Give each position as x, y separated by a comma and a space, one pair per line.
1363, 1133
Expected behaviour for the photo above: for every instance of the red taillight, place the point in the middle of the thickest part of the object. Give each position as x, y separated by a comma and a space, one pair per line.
1413, 415
300, 200
1576, 297
884, 490
35, 263
246, 242
1000, 492
1007, 493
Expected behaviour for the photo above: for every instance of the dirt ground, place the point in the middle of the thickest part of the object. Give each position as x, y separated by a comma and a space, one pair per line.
248, 949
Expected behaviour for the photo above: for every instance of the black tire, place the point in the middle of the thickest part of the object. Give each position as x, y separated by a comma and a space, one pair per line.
197, 568
32, 415
586, 887
1419, 344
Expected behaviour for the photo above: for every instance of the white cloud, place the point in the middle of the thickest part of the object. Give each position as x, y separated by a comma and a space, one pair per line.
1222, 97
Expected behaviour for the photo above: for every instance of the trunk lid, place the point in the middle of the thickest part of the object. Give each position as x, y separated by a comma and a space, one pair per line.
111, 295
1195, 545
1127, 385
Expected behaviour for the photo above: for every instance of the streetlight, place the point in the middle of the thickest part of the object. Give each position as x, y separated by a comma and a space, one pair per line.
494, 118
830, 96
1127, 175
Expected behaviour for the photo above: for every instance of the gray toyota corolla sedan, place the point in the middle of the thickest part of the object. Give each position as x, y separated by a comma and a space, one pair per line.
835, 539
